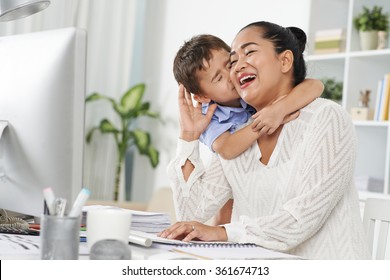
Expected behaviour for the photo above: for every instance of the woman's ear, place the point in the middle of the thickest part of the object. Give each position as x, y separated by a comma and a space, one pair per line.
287, 60
201, 98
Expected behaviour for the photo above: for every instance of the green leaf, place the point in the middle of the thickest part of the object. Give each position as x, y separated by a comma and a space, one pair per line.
96, 96
120, 110
107, 127
132, 98
90, 134
153, 156
141, 140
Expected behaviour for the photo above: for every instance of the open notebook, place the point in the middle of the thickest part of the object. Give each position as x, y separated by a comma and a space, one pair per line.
208, 250
229, 251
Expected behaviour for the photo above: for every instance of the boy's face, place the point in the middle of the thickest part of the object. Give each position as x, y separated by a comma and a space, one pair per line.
215, 81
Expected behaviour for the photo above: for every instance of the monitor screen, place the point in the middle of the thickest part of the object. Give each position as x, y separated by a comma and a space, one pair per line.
42, 92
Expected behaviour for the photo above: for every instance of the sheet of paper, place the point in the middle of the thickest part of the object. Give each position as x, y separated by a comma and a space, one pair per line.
13, 244
231, 252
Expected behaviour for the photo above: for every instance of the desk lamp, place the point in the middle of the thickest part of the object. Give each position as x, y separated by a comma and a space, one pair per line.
16, 9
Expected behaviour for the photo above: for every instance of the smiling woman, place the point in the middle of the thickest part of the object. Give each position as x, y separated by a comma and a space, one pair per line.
292, 190
284, 53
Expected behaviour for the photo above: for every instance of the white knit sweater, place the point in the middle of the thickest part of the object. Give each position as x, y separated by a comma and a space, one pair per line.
302, 202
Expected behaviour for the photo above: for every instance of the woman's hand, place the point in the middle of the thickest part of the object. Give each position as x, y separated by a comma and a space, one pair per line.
188, 231
192, 121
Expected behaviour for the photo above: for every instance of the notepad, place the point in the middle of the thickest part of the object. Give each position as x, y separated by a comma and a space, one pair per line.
231, 251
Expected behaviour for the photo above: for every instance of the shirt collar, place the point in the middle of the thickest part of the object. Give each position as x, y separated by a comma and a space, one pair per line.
223, 113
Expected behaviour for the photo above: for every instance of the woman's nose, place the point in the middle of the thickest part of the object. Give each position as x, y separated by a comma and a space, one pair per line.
240, 65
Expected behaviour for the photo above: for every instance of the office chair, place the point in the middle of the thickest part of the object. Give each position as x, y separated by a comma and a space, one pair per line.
377, 211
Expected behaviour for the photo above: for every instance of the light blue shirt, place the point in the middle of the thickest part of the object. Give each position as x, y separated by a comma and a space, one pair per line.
225, 119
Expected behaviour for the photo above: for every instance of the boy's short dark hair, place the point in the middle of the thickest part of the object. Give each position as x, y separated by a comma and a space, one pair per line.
190, 59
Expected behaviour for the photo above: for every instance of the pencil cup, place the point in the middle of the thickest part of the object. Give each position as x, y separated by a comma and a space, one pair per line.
112, 224
60, 237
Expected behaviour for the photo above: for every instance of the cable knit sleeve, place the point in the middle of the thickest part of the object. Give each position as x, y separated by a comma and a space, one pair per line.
204, 193
321, 173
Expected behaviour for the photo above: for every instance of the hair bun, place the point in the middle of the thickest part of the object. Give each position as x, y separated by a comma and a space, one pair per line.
300, 35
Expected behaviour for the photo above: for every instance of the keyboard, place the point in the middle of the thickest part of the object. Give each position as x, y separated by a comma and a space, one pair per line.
12, 230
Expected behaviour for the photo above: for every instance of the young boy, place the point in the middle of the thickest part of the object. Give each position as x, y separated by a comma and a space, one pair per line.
202, 66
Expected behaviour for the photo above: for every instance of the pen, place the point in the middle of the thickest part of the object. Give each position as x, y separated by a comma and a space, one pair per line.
49, 197
79, 203
190, 254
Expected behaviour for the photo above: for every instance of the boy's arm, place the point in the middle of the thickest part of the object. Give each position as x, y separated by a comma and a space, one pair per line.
271, 117
230, 145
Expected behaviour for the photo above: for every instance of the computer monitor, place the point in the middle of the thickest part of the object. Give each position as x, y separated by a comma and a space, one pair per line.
42, 92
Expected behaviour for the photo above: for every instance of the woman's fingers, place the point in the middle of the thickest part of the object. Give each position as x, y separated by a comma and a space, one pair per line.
178, 229
169, 230
188, 231
192, 235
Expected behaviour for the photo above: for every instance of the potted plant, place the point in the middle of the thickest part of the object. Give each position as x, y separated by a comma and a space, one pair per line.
333, 89
368, 23
129, 108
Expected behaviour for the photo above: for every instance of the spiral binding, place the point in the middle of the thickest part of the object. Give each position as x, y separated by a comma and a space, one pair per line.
218, 245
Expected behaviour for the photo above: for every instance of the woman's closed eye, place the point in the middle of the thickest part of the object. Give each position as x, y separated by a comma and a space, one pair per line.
249, 52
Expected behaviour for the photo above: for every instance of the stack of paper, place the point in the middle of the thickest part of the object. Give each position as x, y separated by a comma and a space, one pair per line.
150, 222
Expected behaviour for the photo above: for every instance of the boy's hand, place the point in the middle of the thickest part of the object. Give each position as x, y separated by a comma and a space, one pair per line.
192, 121
291, 117
268, 119
271, 117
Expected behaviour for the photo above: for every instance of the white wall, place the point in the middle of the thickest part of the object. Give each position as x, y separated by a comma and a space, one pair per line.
168, 24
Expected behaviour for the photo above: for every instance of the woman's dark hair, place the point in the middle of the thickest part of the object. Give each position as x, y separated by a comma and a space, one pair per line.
290, 38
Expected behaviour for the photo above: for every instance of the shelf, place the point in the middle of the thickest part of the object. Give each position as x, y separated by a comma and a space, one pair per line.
359, 70
363, 195
371, 53
343, 55
330, 56
371, 123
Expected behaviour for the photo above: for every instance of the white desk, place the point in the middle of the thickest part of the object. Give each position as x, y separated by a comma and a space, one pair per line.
25, 247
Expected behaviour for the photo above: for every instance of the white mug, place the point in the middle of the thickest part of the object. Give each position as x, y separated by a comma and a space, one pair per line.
108, 224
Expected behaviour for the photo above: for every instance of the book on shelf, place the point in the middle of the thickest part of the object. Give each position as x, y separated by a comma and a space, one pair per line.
382, 103
329, 41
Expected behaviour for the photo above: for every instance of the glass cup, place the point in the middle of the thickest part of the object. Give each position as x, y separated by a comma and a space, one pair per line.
60, 237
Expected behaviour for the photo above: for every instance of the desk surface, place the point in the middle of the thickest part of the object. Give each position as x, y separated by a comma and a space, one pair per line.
26, 247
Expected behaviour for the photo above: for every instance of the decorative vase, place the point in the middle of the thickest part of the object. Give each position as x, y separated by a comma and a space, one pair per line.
382, 40
368, 40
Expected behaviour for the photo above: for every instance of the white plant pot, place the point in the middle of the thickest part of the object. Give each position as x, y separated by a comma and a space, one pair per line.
368, 40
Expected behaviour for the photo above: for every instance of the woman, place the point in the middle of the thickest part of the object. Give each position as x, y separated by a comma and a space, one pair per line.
293, 190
